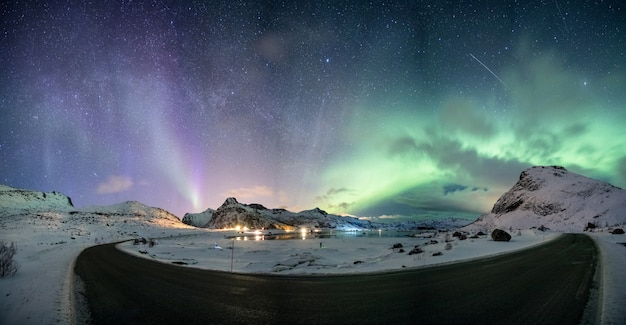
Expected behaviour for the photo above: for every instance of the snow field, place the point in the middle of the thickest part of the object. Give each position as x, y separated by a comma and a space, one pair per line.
333, 256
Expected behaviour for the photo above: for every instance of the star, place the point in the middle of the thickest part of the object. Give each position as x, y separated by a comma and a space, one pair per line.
368, 109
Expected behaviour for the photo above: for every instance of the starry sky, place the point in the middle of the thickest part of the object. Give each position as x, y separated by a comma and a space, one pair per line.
386, 109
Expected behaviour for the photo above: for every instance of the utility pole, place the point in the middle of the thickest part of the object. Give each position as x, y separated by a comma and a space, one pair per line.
232, 255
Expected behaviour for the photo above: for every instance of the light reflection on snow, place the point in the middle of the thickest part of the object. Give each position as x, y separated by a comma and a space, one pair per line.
313, 234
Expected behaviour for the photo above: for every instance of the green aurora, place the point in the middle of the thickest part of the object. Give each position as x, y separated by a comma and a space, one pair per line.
390, 109
470, 149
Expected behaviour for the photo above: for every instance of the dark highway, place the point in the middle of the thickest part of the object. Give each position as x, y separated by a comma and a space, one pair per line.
547, 284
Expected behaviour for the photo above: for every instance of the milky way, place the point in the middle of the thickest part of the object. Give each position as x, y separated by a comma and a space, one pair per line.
414, 109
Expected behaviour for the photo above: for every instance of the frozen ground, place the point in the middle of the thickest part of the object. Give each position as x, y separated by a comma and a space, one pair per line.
40, 292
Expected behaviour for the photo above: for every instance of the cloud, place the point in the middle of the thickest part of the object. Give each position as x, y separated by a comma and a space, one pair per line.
459, 115
342, 206
283, 197
425, 200
621, 171
469, 164
115, 184
451, 188
250, 192
335, 199
333, 192
402, 145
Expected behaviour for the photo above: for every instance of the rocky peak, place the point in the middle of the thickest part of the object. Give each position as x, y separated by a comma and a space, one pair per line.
533, 178
320, 211
230, 201
530, 180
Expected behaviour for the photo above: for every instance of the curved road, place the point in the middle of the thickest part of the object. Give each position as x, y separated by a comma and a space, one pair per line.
547, 284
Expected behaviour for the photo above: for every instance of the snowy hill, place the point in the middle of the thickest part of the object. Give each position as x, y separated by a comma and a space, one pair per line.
556, 198
255, 216
13, 198
198, 219
51, 217
134, 211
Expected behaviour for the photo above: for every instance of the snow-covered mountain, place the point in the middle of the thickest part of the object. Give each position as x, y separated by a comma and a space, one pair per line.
255, 216
558, 199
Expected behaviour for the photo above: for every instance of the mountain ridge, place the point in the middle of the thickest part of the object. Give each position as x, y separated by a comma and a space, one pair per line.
232, 214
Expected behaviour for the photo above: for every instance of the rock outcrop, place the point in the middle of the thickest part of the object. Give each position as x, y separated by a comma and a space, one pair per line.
500, 235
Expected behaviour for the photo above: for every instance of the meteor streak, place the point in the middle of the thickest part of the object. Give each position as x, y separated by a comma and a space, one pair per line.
486, 67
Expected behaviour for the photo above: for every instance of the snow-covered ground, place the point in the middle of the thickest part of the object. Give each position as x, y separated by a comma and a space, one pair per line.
40, 292
613, 292
47, 244
307, 255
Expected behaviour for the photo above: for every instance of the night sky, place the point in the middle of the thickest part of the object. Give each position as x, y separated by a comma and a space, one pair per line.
384, 108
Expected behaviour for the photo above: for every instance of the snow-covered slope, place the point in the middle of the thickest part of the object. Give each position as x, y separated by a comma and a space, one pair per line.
198, 219
556, 198
134, 212
13, 198
255, 216
49, 233
24, 210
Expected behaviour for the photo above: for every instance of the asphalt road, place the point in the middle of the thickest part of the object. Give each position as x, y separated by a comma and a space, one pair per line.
548, 284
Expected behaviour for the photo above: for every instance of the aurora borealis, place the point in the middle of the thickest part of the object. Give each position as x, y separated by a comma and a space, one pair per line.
410, 109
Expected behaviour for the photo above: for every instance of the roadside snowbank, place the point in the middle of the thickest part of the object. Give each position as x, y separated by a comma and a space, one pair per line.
613, 257
37, 293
